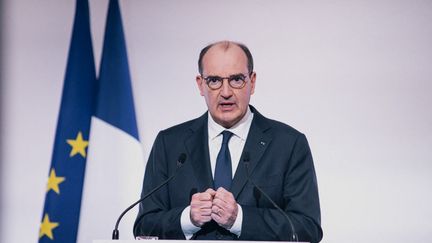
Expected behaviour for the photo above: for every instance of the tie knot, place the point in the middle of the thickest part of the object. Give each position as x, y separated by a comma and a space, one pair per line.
226, 136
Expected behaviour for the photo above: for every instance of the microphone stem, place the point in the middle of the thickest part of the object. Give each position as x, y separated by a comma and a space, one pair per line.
115, 232
180, 161
294, 235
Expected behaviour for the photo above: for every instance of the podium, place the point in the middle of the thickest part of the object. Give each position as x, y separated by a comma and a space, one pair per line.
183, 241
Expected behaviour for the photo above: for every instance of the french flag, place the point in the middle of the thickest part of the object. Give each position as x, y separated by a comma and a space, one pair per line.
115, 162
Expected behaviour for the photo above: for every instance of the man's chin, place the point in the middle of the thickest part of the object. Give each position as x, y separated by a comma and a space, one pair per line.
227, 122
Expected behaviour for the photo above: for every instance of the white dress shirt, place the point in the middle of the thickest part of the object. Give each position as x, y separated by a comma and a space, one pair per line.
236, 144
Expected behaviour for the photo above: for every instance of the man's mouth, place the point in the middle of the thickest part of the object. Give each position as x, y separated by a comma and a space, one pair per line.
226, 106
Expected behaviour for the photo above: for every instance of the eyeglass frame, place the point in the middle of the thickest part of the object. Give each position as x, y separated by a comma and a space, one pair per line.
227, 78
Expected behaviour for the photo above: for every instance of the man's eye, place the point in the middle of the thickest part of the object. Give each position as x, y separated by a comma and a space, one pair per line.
237, 78
213, 79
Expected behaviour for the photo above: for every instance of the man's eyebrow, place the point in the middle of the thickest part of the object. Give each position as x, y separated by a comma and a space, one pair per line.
231, 75
213, 76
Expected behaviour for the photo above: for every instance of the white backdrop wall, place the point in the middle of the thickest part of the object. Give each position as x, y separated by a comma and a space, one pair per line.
354, 76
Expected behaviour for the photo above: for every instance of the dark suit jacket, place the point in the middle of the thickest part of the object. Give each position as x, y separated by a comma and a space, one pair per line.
280, 163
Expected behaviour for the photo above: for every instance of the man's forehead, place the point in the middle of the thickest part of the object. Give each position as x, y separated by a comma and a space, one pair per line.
224, 56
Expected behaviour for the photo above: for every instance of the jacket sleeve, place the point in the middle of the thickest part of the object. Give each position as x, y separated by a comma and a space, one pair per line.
300, 201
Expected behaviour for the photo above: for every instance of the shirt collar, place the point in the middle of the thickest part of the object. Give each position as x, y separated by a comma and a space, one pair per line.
241, 129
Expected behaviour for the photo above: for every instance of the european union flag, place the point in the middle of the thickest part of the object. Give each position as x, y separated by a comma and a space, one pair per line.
82, 208
65, 182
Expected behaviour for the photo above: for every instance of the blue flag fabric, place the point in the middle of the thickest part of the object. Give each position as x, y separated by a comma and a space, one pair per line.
115, 100
110, 99
115, 156
64, 189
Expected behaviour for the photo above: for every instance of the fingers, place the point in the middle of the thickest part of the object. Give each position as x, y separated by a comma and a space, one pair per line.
224, 208
200, 208
223, 198
204, 196
218, 205
211, 192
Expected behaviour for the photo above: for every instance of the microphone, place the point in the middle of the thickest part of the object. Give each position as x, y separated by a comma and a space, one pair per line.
180, 161
246, 159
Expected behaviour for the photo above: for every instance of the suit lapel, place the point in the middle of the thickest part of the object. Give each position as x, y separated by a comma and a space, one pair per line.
197, 147
256, 144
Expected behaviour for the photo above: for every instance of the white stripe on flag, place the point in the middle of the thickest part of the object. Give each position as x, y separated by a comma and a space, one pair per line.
113, 181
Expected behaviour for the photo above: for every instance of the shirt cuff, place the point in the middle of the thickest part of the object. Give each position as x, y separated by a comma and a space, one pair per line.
236, 228
186, 224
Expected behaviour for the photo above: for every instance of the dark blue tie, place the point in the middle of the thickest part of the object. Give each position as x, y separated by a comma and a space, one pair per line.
223, 171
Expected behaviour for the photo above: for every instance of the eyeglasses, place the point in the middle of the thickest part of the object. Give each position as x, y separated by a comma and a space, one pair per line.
235, 81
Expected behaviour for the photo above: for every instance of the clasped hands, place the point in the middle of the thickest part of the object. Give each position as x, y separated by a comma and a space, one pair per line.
218, 205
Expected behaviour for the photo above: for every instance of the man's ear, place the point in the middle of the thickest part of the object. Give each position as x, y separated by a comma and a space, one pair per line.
199, 81
253, 80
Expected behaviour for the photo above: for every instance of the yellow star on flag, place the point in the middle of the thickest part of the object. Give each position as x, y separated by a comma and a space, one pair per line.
46, 227
78, 145
54, 181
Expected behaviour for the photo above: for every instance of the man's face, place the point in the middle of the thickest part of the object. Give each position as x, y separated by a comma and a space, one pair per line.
226, 105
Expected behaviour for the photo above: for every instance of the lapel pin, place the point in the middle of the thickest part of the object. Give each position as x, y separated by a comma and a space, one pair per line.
262, 143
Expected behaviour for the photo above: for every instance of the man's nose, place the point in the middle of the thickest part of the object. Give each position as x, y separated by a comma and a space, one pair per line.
226, 90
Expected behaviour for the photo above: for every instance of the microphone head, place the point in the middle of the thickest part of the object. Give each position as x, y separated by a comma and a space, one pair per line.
246, 156
246, 159
256, 194
181, 159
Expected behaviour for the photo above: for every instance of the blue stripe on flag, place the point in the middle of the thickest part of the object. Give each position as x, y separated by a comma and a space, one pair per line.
64, 189
115, 100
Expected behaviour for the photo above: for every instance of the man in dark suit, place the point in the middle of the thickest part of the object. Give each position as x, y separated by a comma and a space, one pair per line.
229, 148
